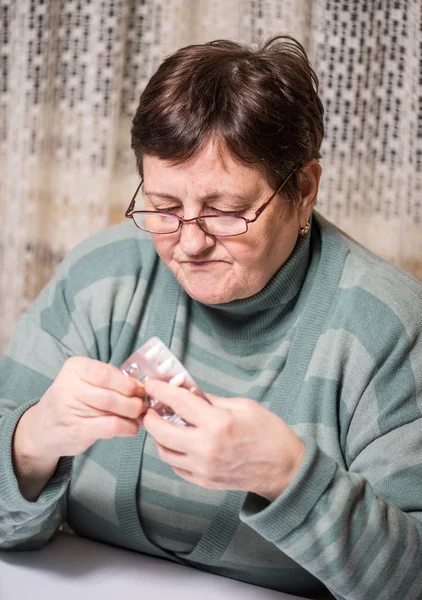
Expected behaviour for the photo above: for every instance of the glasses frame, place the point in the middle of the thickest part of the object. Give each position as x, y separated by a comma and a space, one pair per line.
130, 212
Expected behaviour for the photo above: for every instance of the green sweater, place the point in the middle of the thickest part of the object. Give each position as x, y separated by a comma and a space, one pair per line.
333, 345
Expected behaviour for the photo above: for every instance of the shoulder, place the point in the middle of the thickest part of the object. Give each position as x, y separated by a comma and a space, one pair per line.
372, 289
111, 264
371, 342
98, 291
373, 329
118, 249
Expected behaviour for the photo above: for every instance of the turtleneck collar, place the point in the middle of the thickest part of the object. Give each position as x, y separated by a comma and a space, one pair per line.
254, 315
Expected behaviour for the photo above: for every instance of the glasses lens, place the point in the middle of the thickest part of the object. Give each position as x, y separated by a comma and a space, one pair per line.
223, 225
156, 222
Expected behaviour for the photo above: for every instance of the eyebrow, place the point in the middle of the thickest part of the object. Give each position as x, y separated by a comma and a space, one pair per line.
206, 198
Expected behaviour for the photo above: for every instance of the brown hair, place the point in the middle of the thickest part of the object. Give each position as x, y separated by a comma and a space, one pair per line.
263, 104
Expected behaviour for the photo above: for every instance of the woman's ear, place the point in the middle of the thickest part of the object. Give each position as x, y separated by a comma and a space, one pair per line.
309, 184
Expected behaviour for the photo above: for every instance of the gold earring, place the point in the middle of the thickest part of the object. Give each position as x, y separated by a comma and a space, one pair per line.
305, 230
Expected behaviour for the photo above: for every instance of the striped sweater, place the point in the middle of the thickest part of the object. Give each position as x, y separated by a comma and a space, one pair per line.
333, 345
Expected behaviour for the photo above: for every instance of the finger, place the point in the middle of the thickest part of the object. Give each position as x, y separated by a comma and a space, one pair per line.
187, 475
171, 435
106, 376
106, 401
172, 458
192, 478
109, 426
192, 408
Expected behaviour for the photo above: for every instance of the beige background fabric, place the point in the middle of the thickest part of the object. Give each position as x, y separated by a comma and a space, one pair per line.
70, 76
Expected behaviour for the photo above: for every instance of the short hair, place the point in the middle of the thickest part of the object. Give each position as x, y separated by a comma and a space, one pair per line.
262, 103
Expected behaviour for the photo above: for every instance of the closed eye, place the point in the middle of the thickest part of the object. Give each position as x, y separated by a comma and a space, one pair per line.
209, 211
228, 213
169, 209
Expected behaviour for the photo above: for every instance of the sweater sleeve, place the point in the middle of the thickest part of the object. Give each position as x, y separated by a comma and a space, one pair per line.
90, 308
44, 338
358, 526
28, 525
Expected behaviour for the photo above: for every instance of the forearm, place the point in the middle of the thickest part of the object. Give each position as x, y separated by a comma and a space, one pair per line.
23, 524
333, 524
33, 470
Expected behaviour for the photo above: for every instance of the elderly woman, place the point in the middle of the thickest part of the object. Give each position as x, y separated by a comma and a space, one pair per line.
302, 473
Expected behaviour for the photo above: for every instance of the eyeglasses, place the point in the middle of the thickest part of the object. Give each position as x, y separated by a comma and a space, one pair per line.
162, 222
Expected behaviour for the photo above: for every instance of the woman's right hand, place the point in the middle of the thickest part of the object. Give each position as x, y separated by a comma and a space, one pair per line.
88, 401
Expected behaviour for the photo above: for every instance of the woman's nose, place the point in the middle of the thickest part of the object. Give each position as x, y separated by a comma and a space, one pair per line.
193, 240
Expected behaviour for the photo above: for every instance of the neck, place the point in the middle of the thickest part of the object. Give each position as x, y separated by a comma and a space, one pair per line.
257, 314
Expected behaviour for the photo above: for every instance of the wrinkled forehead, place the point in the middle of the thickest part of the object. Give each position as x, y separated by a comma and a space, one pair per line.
211, 168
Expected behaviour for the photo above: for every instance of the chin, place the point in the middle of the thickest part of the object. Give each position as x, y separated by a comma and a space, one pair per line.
201, 295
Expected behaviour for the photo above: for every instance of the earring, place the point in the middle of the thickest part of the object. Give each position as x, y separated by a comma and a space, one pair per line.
305, 230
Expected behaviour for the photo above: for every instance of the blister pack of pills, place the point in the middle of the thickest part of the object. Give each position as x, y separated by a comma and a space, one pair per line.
153, 360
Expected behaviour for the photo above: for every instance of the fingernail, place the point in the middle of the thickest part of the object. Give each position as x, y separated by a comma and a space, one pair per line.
149, 386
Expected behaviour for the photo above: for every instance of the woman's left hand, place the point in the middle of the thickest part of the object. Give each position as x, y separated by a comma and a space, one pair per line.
234, 444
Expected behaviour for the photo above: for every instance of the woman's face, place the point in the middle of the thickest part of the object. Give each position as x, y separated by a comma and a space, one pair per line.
212, 269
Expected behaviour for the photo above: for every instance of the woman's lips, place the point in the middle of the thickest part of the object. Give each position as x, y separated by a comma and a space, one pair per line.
201, 263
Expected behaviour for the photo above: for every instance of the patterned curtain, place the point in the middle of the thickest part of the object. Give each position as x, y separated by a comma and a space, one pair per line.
71, 72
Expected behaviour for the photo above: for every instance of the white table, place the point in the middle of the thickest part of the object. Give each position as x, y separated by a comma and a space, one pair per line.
73, 568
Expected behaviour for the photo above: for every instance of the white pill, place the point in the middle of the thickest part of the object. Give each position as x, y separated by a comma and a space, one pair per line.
165, 366
132, 369
152, 352
177, 379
